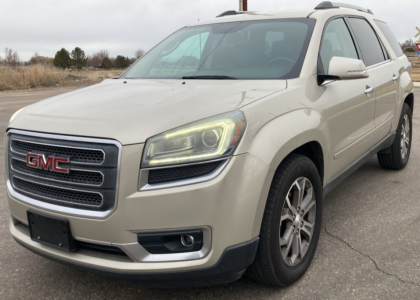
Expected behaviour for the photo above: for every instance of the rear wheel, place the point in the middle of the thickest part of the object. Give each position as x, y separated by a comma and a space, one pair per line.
291, 223
397, 155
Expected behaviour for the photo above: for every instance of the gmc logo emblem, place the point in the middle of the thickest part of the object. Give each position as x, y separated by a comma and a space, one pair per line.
39, 161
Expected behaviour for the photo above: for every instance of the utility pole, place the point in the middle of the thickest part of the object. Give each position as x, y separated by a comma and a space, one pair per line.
243, 5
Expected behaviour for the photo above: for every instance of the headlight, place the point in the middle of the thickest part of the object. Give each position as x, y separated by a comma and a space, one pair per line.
207, 139
14, 115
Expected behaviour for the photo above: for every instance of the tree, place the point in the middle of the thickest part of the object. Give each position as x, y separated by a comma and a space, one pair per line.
408, 44
102, 54
139, 53
132, 60
122, 62
79, 58
11, 58
34, 59
62, 59
106, 63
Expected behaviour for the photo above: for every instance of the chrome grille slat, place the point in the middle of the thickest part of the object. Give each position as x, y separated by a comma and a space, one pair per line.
77, 155
76, 176
60, 194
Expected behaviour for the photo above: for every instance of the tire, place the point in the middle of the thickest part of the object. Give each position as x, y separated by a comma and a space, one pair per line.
393, 158
270, 266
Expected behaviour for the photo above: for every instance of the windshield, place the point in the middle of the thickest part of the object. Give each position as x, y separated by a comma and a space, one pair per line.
273, 49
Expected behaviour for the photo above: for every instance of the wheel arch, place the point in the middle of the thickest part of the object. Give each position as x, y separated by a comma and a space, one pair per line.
300, 132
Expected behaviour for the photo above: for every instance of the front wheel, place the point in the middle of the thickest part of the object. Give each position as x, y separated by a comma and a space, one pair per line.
291, 224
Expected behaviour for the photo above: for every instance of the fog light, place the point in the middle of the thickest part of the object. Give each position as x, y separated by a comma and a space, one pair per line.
187, 240
171, 241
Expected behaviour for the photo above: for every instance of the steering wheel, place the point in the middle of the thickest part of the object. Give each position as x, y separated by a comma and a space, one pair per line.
289, 61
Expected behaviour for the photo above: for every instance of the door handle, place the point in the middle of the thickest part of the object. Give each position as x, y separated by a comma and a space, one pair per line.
395, 77
369, 89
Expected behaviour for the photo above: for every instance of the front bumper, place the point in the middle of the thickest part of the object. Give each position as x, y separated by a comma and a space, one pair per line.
230, 267
229, 206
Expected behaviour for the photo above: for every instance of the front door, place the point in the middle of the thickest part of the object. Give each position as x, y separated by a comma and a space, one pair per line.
350, 122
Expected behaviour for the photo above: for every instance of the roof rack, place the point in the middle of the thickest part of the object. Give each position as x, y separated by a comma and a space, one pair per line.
233, 12
329, 5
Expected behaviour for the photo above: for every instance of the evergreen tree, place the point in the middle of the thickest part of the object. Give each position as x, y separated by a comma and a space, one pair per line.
79, 58
122, 62
62, 59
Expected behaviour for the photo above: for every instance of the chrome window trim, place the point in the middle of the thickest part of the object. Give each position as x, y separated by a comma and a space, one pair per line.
56, 187
57, 208
144, 176
60, 181
379, 64
46, 144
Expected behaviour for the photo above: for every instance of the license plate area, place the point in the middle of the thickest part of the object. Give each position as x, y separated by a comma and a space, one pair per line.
51, 231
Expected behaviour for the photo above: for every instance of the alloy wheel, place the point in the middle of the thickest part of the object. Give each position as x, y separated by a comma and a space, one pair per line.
405, 136
297, 221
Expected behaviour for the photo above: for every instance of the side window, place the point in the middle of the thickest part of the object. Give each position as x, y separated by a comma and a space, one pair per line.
336, 41
390, 37
368, 41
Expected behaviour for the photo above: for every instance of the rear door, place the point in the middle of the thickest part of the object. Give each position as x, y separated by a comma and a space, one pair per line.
351, 112
382, 70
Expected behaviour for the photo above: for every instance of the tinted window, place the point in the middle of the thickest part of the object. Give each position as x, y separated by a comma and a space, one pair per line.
243, 50
336, 41
368, 41
390, 37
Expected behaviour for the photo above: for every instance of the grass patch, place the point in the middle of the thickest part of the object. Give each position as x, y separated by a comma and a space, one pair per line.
41, 76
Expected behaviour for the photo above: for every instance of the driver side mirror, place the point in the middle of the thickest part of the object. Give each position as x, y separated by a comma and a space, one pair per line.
343, 68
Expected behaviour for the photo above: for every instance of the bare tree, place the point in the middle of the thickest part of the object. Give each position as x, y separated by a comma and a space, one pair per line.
139, 53
11, 57
97, 58
408, 44
34, 59
102, 54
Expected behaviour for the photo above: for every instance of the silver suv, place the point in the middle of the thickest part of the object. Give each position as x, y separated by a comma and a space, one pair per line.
210, 157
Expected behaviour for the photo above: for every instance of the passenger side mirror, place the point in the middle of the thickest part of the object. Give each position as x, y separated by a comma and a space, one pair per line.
343, 68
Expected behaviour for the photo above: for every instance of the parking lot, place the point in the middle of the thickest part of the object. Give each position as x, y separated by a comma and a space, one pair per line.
369, 246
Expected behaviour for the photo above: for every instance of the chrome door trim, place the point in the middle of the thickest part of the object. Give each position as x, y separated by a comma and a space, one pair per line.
379, 64
57, 208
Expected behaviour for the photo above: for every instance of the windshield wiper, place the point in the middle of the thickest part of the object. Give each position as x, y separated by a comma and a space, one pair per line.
209, 77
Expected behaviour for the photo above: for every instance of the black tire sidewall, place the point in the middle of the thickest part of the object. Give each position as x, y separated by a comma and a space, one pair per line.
284, 273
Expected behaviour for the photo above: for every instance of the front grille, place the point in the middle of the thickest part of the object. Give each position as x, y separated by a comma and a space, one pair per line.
91, 183
57, 194
181, 173
89, 156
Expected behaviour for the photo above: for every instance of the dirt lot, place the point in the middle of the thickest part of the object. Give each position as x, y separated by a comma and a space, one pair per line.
369, 246
416, 74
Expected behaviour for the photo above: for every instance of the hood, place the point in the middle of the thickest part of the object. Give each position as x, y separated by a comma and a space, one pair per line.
131, 111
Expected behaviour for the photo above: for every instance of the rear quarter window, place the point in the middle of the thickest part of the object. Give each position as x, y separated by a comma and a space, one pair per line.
389, 35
